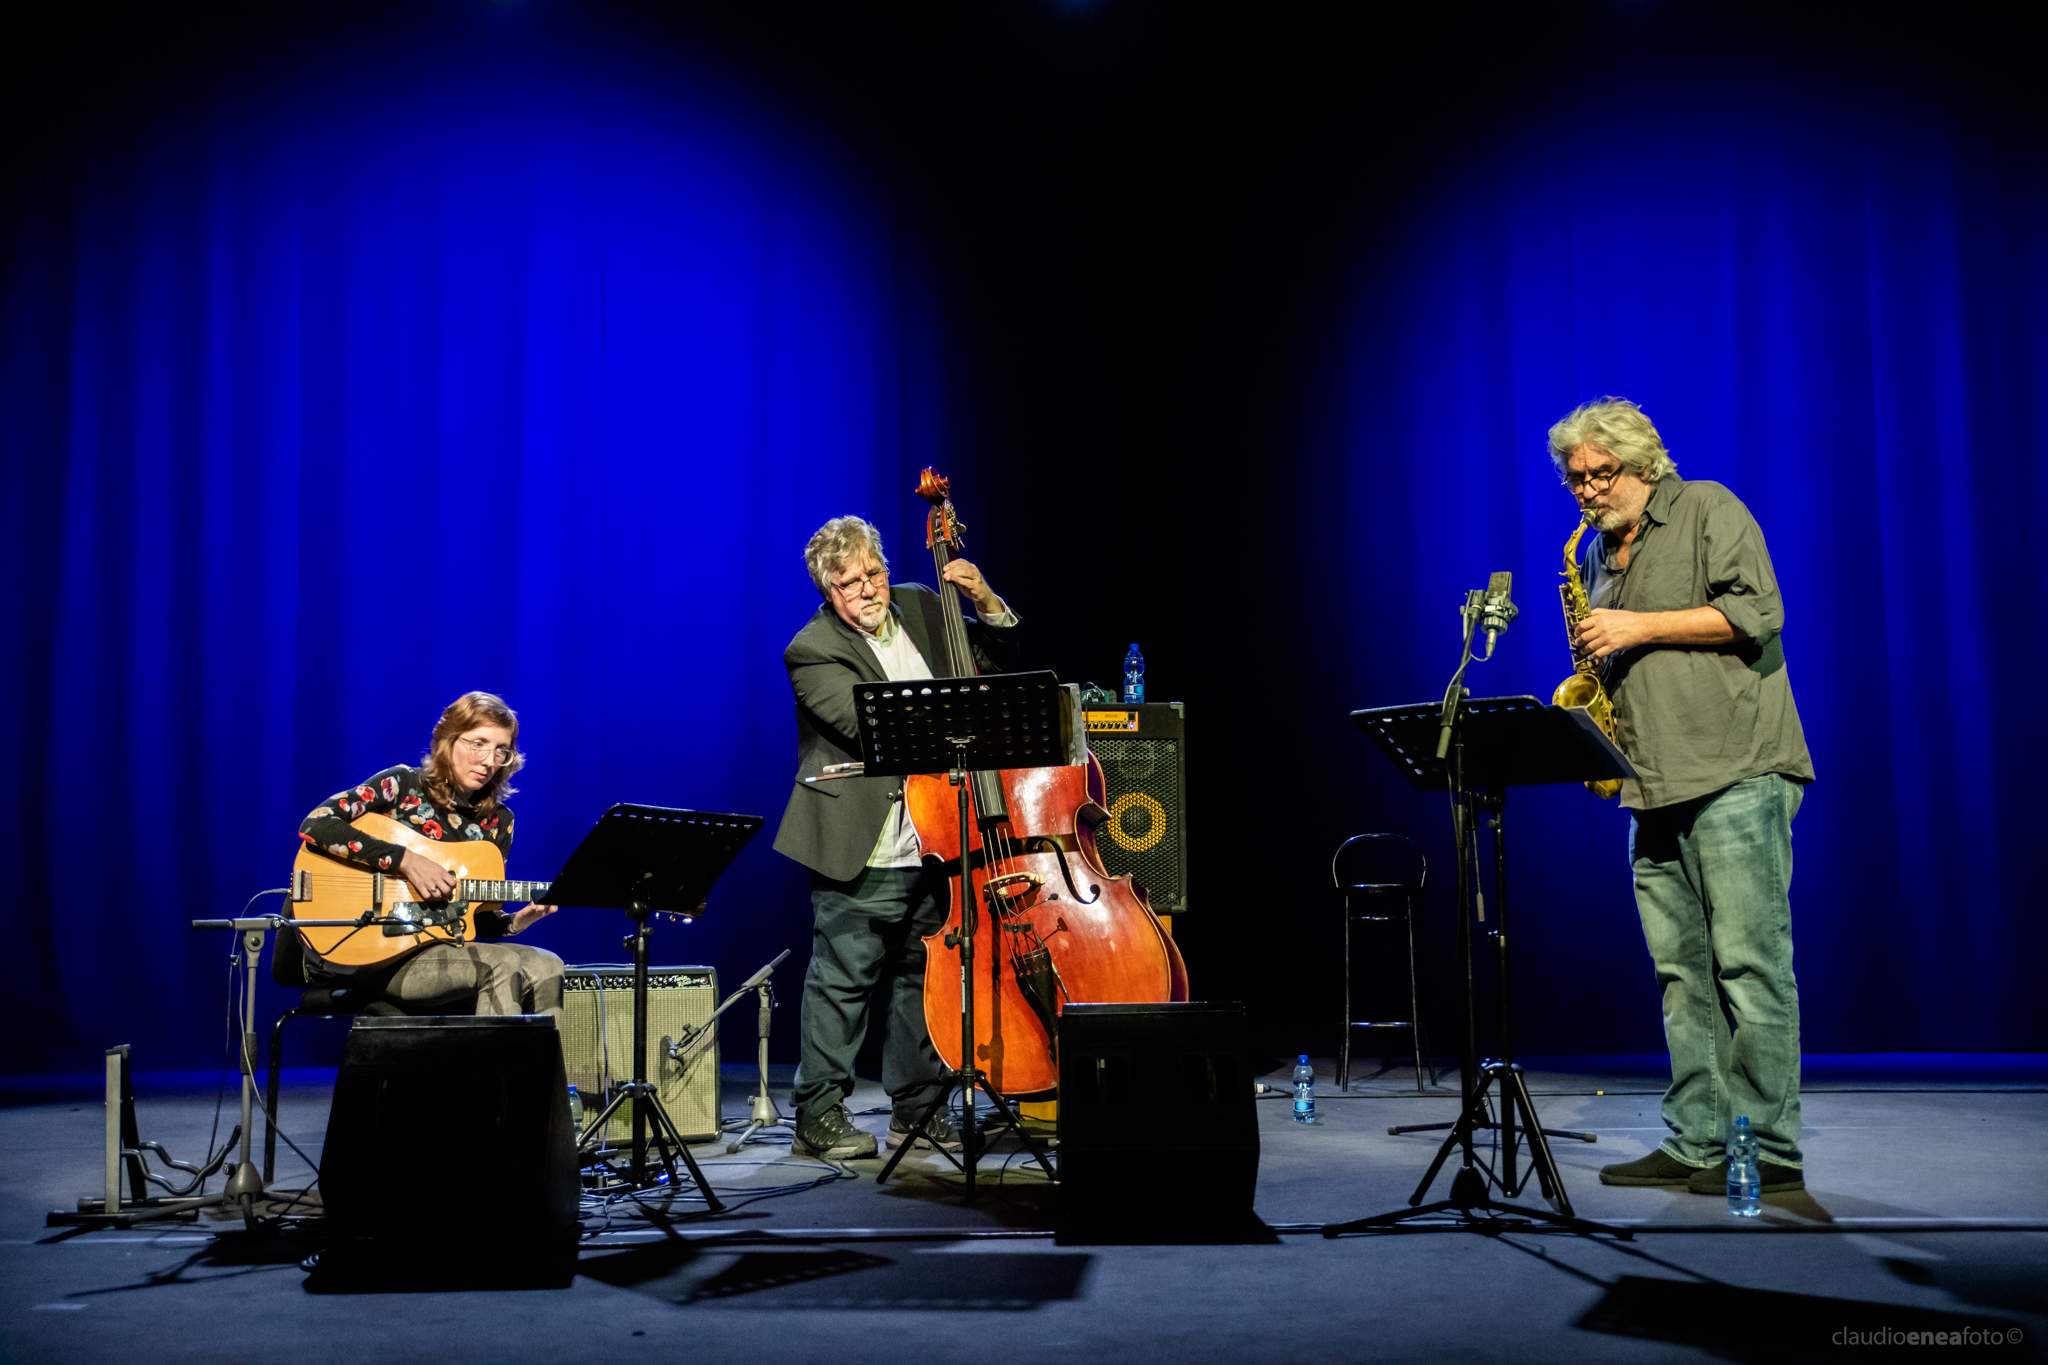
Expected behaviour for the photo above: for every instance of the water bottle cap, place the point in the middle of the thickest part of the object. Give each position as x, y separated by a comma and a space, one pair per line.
1301, 1060
1742, 1122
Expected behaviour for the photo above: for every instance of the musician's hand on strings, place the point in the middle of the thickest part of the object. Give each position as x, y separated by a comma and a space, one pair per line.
431, 880
529, 915
964, 576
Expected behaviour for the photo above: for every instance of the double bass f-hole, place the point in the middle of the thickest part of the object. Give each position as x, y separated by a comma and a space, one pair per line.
1058, 850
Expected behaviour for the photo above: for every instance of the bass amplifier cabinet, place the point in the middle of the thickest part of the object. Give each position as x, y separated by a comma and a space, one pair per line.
597, 1043
450, 1162
1143, 754
1159, 1139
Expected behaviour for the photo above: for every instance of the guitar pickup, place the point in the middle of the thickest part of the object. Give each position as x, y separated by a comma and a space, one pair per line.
410, 917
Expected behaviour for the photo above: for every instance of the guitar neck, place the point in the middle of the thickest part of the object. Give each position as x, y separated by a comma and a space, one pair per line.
503, 891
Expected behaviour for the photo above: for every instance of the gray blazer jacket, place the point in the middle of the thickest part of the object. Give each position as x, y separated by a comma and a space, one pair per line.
831, 827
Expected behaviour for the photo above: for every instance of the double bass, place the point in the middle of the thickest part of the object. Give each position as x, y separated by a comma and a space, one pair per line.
1055, 926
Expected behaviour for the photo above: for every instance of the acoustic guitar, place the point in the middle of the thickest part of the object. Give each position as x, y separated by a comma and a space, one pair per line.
325, 887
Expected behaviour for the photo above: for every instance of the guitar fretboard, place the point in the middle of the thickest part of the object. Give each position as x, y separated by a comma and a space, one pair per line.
503, 891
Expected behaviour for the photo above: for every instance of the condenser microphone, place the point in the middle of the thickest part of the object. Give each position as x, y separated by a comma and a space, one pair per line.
1497, 610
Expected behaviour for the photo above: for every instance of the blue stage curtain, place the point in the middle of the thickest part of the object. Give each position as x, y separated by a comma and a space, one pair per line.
1830, 298
328, 395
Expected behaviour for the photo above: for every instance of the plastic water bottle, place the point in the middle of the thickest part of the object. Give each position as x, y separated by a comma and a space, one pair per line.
1304, 1089
575, 1109
1744, 1184
1134, 675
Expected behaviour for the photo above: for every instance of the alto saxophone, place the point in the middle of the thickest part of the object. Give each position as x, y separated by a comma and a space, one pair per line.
1583, 687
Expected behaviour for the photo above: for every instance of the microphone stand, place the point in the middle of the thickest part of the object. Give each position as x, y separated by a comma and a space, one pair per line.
1455, 693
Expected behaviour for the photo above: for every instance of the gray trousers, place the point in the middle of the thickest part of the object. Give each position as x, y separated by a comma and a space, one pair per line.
492, 977
867, 945
1714, 890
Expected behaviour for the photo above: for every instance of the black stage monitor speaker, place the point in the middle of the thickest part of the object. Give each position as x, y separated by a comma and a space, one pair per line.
1143, 754
597, 1043
1159, 1139
449, 1161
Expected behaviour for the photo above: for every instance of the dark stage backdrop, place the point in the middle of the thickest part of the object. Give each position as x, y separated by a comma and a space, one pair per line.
327, 396
503, 356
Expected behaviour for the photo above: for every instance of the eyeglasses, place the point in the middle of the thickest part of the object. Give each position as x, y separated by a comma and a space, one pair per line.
476, 748
1599, 483
877, 579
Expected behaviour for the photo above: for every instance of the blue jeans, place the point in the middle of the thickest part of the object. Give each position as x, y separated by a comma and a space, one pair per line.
1713, 880
867, 949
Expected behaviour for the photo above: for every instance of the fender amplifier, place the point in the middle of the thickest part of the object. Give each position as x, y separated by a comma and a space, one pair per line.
597, 1043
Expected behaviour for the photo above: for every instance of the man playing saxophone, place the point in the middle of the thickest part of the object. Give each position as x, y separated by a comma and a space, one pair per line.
1685, 621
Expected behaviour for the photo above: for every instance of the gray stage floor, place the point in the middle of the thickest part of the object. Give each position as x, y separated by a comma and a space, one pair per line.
1927, 1211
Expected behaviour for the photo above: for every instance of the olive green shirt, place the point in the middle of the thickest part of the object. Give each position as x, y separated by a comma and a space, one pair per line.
1696, 718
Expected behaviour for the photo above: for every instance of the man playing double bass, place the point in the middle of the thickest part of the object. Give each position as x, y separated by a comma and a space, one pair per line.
873, 900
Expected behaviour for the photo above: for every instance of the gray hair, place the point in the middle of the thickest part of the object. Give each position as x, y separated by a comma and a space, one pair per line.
838, 541
1619, 428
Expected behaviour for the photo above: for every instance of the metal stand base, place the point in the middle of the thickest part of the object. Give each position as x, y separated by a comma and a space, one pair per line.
91, 1213
648, 1112
1470, 1189
969, 1081
762, 1113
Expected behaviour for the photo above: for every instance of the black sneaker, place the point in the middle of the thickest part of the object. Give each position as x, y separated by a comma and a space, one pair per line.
1659, 1168
1771, 1178
939, 1131
830, 1134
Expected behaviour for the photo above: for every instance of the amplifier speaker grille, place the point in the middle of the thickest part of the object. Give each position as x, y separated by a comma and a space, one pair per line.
597, 1043
1144, 769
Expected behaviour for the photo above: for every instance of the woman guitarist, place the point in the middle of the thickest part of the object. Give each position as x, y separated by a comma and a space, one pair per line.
456, 794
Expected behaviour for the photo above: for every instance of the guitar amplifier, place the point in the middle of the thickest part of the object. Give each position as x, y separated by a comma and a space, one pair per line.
1143, 754
597, 1043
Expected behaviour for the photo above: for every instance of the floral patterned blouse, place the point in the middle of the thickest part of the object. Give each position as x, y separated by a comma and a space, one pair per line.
401, 794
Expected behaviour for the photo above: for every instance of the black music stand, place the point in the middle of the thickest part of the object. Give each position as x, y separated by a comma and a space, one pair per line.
647, 861
967, 728
1495, 743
